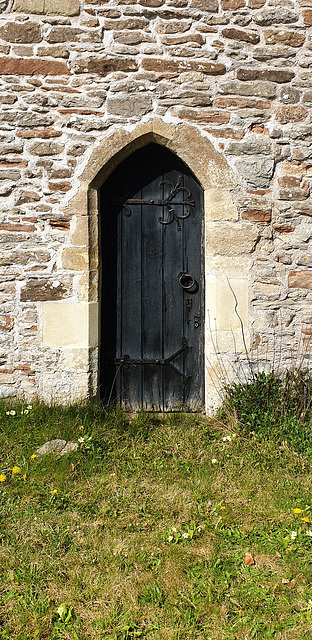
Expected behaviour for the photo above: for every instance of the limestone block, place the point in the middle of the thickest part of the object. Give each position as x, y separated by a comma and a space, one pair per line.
70, 324
65, 324
231, 239
75, 258
223, 295
80, 236
219, 205
48, 7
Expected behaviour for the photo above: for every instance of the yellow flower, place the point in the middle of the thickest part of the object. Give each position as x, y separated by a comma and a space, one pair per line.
24, 477
2, 477
305, 519
222, 508
16, 470
33, 456
54, 491
297, 510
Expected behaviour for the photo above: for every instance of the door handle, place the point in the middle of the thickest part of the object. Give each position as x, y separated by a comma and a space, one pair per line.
187, 282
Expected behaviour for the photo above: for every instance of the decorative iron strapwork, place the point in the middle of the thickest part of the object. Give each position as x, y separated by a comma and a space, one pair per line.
167, 202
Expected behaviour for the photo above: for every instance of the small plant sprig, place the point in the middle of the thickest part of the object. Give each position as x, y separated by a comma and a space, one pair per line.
187, 532
85, 442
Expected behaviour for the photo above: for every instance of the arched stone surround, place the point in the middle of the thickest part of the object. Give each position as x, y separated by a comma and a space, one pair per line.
225, 237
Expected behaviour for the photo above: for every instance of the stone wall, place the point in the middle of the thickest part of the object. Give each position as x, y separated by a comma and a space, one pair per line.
227, 85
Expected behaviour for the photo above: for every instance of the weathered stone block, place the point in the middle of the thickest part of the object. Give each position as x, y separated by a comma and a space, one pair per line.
229, 239
202, 115
31, 67
205, 5
6, 323
39, 133
129, 105
307, 16
259, 88
24, 196
238, 34
37, 289
60, 187
75, 258
73, 34
232, 5
251, 146
285, 115
241, 103
257, 215
53, 51
256, 170
288, 38
275, 15
300, 279
24, 32
48, 7
103, 66
46, 149
273, 75
178, 66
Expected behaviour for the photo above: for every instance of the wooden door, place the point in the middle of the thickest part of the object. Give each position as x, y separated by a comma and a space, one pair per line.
152, 293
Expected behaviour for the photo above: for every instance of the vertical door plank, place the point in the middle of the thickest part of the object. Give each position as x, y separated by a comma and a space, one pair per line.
172, 295
152, 280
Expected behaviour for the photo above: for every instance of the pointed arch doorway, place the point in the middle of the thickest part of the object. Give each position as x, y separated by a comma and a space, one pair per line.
152, 321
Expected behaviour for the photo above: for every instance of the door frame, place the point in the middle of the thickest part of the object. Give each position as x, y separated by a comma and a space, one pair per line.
214, 175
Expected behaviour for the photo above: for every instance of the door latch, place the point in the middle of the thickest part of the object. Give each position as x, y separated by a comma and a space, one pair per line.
196, 322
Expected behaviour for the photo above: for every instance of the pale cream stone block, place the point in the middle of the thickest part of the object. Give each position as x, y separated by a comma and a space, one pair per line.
219, 205
226, 312
48, 7
70, 324
65, 324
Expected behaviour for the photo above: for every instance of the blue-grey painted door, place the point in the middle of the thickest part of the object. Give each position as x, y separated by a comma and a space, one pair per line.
152, 284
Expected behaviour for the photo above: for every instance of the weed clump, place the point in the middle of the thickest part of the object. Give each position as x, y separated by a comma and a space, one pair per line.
273, 405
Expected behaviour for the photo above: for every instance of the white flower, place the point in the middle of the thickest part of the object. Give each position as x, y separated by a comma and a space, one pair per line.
81, 439
293, 535
309, 533
29, 407
11, 413
61, 610
185, 534
170, 538
214, 461
174, 529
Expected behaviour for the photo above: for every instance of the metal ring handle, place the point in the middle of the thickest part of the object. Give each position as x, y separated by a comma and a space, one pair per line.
186, 281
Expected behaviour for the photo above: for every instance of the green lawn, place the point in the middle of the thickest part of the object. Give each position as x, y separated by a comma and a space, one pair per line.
143, 532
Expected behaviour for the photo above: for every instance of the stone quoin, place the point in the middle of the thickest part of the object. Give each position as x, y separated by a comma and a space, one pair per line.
226, 86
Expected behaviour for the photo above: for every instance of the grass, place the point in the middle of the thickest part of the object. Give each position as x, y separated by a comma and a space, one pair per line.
142, 532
